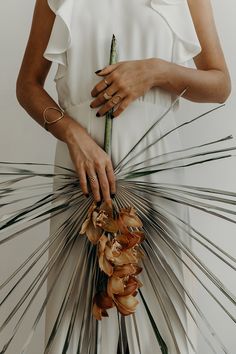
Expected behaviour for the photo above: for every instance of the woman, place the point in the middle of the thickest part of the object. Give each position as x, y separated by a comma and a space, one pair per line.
156, 40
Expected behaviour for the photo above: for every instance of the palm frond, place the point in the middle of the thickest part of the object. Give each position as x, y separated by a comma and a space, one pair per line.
31, 194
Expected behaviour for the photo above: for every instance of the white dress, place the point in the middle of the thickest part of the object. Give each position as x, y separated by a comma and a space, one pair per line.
80, 44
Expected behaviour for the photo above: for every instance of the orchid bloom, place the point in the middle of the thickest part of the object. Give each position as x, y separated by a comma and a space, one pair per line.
89, 226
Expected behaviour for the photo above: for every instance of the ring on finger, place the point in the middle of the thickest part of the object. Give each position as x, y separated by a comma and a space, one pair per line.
106, 96
92, 179
116, 99
105, 82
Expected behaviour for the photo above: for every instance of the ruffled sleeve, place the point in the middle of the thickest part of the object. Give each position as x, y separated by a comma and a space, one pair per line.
177, 15
60, 38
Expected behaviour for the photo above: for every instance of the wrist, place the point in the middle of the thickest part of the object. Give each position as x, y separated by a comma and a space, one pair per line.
160, 72
72, 130
65, 129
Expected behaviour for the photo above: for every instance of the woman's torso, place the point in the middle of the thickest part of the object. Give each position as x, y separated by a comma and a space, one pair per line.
82, 34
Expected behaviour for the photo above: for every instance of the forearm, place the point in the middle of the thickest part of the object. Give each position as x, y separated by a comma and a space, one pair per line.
202, 85
34, 99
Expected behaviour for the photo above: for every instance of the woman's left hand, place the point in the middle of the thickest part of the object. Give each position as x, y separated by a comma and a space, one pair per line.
124, 81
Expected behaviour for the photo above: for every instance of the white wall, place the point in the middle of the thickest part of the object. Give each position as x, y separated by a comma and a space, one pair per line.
21, 139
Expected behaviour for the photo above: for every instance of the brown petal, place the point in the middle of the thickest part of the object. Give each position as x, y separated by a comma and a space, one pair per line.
138, 269
107, 207
84, 226
106, 223
128, 239
103, 300
127, 269
94, 216
105, 265
115, 285
131, 286
126, 257
108, 253
116, 248
105, 218
93, 233
97, 312
126, 304
129, 217
102, 243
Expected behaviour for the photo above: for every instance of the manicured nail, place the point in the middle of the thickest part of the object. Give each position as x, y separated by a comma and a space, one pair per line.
90, 105
98, 114
99, 203
98, 71
113, 195
86, 195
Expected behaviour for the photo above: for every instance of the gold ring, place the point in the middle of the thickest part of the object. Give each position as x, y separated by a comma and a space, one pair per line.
114, 99
92, 179
105, 81
106, 96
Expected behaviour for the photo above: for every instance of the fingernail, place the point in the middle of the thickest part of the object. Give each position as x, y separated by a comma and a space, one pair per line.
91, 105
98, 114
99, 203
113, 195
86, 195
112, 115
98, 71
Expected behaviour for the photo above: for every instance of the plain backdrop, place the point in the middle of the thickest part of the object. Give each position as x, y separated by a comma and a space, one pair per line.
21, 139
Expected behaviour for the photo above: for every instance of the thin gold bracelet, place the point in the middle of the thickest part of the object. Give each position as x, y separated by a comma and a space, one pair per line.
46, 122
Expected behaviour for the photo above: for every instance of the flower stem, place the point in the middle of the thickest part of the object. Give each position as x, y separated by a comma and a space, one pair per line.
108, 123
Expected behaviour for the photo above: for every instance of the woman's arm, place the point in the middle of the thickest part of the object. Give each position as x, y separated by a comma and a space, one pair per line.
88, 157
34, 70
211, 81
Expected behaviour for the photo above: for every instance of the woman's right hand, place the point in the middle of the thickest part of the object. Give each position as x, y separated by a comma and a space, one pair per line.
90, 159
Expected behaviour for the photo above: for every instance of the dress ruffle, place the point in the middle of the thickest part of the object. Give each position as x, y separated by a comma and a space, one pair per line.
60, 38
177, 15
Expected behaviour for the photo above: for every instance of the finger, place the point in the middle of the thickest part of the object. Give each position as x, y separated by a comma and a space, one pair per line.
108, 69
100, 99
113, 102
82, 179
111, 177
101, 86
104, 184
121, 107
94, 184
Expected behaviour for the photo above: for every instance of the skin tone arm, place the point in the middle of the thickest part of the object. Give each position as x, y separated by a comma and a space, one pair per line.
210, 82
87, 156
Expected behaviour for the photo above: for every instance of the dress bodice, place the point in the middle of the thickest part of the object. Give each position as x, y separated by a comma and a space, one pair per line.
81, 37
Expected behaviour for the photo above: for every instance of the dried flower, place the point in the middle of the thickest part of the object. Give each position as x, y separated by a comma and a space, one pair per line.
105, 220
128, 218
104, 263
101, 302
126, 305
89, 226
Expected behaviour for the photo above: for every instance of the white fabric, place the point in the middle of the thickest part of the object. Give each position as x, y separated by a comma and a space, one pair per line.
80, 45
177, 15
